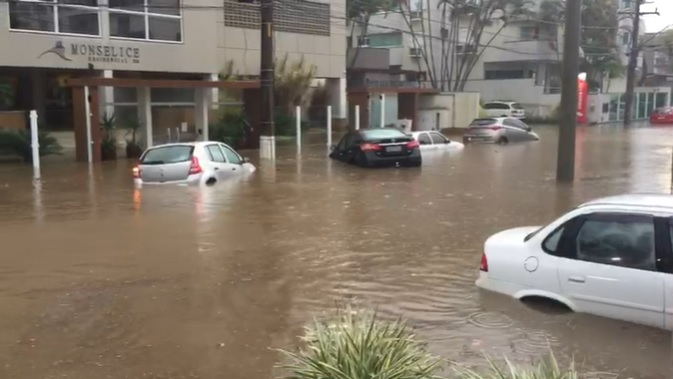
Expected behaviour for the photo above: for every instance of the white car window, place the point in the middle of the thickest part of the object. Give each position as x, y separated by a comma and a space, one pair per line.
231, 155
550, 244
628, 243
437, 138
423, 139
215, 154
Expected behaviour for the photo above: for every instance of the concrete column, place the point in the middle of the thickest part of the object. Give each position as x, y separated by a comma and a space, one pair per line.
145, 114
201, 103
343, 102
107, 96
215, 92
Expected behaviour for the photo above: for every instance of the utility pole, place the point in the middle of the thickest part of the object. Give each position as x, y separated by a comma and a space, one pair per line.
565, 162
634, 52
268, 132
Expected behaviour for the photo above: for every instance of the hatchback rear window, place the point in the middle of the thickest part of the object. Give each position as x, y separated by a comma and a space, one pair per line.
167, 154
517, 106
483, 122
378, 134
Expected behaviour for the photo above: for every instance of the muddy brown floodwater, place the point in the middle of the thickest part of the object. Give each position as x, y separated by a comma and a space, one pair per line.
98, 280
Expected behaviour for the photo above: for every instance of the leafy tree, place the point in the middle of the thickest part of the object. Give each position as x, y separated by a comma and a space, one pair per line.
458, 58
292, 82
597, 39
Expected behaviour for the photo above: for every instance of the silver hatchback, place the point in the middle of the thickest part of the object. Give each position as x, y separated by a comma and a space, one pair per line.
195, 163
501, 130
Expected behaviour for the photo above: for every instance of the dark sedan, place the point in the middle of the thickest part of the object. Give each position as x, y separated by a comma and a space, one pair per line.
377, 147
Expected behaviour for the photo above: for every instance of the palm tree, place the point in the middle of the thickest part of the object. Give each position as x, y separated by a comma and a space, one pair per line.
482, 14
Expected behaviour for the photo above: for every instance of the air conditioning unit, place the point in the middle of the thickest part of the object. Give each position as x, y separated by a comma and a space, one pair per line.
415, 52
363, 41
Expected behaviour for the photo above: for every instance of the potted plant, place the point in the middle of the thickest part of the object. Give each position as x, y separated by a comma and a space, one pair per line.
108, 138
133, 148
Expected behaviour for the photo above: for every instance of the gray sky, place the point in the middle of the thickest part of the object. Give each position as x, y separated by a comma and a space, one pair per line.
655, 23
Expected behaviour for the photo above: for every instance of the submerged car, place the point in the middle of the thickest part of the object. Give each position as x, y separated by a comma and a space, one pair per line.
193, 163
433, 140
501, 130
611, 257
662, 115
376, 147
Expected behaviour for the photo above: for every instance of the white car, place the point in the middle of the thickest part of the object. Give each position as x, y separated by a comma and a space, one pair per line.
191, 163
498, 108
610, 257
432, 140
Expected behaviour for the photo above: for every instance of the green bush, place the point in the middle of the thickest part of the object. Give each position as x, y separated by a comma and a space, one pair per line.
286, 124
357, 345
229, 128
18, 143
545, 368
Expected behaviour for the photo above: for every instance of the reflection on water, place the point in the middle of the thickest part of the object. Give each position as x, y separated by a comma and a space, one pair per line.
98, 279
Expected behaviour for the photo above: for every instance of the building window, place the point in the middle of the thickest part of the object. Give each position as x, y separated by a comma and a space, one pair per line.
78, 17
155, 20
503, 74
626, 38
530, 32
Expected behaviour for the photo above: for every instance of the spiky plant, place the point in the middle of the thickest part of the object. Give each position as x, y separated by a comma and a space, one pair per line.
358, 345
545, 368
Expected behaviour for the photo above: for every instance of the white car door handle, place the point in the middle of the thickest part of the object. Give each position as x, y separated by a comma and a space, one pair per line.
577, 279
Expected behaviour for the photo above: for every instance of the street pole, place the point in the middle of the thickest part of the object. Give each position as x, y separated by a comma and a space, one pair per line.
565, 163
634, 52
268, 132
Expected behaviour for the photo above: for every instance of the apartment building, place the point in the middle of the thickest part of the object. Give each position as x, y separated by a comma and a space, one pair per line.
48, 43
519, 61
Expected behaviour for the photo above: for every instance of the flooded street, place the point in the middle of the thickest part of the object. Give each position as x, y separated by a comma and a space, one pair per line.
98, 280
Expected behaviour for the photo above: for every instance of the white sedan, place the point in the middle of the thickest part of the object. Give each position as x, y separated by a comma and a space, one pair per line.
610, 257
432, 140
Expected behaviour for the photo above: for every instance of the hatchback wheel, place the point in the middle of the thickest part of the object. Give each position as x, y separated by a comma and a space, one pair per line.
503, 141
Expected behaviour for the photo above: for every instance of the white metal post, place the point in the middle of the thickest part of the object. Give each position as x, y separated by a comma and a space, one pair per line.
87, 112
383, 110
35, 145
298, 120
170, 139
357, 117
329, 126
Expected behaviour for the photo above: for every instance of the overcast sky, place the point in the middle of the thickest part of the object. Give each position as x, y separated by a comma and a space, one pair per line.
655, 23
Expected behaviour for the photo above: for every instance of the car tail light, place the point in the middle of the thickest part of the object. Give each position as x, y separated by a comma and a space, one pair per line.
370, 147
494, 127
136, 172
483, 266
195, 167
412, 144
